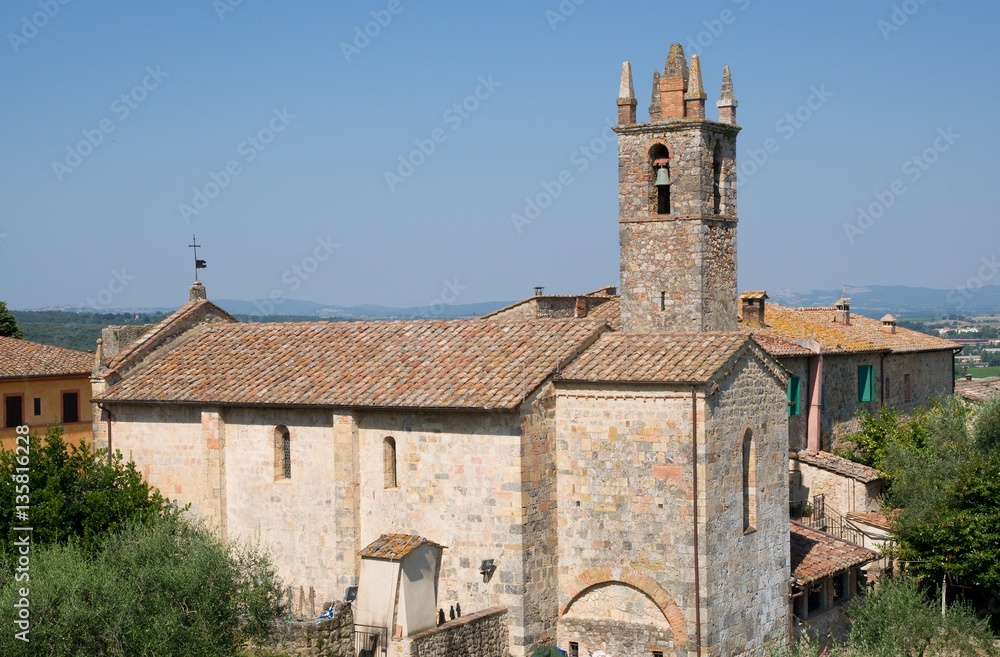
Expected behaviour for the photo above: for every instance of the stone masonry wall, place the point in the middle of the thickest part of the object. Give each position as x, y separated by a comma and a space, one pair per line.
332, 637
483, 634
539, 497
746, 573
841, 494
618, 619
624, 500
689, 254
798, 424
840, 396
930, 376
459, 484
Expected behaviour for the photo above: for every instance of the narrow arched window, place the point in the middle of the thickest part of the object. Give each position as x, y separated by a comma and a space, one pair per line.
282, 453
749, 482
717, 179
659, 159
389, 459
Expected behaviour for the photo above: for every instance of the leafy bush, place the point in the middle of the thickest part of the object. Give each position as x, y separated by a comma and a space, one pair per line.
162, 588
75, 493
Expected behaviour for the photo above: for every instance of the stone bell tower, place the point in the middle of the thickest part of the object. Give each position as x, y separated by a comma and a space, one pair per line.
677, 203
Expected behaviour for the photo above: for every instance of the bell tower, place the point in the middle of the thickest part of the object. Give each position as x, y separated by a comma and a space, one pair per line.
677, 203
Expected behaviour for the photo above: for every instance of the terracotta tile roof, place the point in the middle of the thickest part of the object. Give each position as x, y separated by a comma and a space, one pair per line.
425, 364
840, 465
610, 311
152, 337
873, 518
20, 358
394, 546
862, 335
978, 390
656, 357
816, 554
774, 344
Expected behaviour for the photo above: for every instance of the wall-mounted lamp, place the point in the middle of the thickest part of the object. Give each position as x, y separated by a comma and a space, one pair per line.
487, 569
350, 594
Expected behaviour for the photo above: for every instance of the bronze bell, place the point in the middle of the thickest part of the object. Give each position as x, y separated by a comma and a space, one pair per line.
662, 177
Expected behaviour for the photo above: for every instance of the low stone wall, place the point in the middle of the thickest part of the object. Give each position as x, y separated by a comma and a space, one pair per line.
483, 634
330, 637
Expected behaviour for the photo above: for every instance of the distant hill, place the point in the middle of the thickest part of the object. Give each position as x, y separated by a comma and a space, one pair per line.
900, 300
303, 308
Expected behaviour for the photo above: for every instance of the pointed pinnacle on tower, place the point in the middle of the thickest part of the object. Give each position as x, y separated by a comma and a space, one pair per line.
676, 62
694, 99
626, 97
727, 101
655, 110
673, 84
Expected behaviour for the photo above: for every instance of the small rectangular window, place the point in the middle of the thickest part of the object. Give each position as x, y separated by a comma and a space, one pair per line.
574, 649
794, 395
13, 411
907, 389
38, 405
657, 653
286, 449
70, 407
866, 383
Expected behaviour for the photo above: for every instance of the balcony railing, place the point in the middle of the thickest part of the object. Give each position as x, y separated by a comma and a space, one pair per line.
370, 641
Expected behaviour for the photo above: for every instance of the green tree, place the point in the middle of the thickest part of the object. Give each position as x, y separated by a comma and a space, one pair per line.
74, 493
881, 430
8, 325
162, 588
948, 494
898, 620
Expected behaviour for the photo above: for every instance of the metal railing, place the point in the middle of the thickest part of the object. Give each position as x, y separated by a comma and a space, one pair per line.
370, 641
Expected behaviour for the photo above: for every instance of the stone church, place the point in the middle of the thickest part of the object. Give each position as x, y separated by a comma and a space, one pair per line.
630, 487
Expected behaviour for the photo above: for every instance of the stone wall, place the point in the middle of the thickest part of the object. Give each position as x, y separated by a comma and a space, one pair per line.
798, 424
332, 637
459, 484
840, 403
746, 572
688, 255
115, 339
618, 619
925, 375
483, 634
625, 509
841, 493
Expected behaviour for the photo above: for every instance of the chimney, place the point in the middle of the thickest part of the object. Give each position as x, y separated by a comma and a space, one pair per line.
197, 292
539, 290
889, 324
98, 358
581, 308
752, 308
673, 83
694, 99
842, 311
727, 102
626, 97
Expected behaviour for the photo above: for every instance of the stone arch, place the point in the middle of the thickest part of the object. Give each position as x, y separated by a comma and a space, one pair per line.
659, 153
636, 579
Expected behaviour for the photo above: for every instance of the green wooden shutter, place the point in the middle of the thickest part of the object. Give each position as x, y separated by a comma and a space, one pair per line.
866, 383
794, 395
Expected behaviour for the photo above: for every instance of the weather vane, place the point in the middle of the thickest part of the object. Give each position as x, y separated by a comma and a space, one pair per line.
198, 264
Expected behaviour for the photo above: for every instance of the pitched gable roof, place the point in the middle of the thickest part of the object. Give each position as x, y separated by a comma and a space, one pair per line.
678, 358
394, 546
21, 359
816, 554
181, 320
479, 364
862, 335
840, 465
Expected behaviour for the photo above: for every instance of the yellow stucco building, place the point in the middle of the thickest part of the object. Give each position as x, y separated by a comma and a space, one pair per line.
43, 385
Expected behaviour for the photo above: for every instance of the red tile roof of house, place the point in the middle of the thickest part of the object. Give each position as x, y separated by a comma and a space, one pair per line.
873, 518
394, 546
816, 554
20, 359
656, 357
610, 311
978, 390
840, 465
430, 364
152, 338
863, 334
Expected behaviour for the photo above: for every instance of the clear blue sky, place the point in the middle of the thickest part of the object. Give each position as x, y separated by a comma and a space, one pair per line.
104, 225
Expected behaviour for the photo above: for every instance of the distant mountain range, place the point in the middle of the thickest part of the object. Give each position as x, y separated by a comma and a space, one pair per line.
873, 300
900, 300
